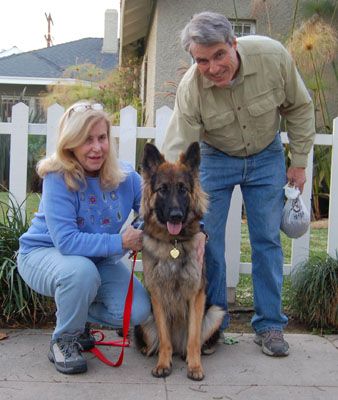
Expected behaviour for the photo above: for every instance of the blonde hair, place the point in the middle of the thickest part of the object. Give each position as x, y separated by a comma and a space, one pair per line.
74, 129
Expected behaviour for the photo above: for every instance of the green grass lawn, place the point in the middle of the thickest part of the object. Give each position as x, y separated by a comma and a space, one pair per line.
318, 243
244, 290
32, 203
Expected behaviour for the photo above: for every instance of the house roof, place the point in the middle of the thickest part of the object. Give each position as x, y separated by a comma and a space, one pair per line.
48, 64
9, 52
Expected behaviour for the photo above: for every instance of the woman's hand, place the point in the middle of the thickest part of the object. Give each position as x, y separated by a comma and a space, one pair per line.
132, 239
201, 240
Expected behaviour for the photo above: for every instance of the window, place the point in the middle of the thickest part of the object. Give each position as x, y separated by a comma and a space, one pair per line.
36, 112
243, 27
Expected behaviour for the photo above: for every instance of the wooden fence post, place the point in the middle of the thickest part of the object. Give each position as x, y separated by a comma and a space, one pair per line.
54, 114
300, 247
127, 140
18, 155
163, 116
332, 240
233, 243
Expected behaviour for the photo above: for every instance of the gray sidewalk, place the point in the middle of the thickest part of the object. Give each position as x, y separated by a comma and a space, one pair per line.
238, 371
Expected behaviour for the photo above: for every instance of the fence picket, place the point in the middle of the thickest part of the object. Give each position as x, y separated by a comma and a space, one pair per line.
19, 152
54, 114
332, 242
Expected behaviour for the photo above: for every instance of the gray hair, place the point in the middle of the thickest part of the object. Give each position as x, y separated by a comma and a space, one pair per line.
207, 28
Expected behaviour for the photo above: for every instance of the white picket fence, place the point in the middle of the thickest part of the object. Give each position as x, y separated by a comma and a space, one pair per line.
128, 132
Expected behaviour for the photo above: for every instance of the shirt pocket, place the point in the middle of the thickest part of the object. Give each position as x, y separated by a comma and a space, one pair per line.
264, 111
219, 121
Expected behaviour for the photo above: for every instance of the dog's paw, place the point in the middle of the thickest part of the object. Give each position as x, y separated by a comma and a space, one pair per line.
161, 371
196, 374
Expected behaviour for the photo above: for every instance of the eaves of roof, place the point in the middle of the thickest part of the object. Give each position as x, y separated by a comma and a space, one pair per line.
135, 18
19, 80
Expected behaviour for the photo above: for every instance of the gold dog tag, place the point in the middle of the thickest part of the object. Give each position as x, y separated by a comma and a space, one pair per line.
174, 252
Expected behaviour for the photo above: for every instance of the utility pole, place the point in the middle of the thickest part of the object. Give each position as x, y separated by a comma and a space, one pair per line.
48, 37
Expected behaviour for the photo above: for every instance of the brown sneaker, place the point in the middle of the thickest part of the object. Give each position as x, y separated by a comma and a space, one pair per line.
273, 343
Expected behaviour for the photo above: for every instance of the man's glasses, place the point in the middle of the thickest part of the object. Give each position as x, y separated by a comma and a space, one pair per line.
81, 108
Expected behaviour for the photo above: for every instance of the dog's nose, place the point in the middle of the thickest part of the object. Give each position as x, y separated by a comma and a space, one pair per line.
175, 215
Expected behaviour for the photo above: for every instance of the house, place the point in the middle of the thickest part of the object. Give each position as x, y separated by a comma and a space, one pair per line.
9, 52
151, 29
24, 76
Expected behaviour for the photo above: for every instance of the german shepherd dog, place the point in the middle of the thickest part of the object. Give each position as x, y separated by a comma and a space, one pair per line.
172, 206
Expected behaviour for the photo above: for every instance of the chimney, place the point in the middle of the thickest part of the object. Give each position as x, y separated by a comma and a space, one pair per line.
110, 32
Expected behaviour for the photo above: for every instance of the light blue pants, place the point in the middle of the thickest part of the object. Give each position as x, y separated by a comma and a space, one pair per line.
261, 178
83, 290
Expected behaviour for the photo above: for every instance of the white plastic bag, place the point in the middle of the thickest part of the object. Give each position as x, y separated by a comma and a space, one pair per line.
296, 217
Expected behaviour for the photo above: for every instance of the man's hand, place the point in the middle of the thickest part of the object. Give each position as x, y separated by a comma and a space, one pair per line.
297, 176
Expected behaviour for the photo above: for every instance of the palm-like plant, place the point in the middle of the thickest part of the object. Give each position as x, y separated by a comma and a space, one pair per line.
17, 300
313, 47
315, 292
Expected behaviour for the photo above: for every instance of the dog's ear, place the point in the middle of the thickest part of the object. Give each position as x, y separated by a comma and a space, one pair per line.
192, 157
151, 159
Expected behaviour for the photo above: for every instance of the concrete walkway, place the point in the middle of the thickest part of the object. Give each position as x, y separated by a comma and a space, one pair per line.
237, 371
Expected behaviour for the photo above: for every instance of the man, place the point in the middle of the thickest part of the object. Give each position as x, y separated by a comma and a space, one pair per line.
231, 100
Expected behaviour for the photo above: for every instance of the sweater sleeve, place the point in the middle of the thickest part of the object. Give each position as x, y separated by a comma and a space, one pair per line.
60, 205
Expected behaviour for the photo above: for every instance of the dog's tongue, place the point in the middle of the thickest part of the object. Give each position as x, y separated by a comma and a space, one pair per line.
174, 229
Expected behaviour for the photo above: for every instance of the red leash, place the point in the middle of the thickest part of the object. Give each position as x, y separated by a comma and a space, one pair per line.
126, 319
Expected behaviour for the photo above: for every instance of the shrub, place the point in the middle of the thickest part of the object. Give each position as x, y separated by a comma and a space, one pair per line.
315, 293
18, 303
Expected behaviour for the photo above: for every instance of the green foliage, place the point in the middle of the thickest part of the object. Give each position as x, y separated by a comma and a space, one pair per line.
36, 151
115, 89
314, 295
323, 8
17, 301
244, 289
4, 159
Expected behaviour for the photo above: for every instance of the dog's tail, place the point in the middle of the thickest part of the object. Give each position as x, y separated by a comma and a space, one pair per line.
211, 322
146, 336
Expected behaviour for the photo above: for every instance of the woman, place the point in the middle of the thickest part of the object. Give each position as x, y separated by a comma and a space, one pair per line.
73, 248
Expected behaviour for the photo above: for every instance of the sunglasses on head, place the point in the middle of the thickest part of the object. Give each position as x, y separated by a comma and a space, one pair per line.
84, 107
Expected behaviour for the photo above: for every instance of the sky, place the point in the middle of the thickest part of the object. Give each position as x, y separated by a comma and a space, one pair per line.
23, 23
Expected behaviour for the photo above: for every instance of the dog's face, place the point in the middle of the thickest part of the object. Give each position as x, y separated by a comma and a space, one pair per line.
173, 189
170, 196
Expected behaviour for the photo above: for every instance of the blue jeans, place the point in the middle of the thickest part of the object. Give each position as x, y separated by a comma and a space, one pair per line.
261, 178
83, 291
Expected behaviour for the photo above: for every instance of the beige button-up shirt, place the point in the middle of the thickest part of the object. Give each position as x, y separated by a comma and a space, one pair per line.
243, 118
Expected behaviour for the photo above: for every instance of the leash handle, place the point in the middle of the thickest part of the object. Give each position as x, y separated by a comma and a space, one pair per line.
126, 319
